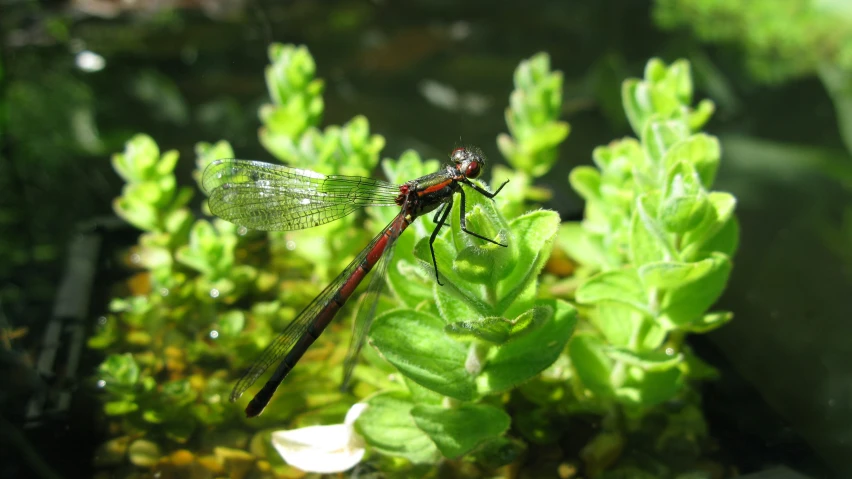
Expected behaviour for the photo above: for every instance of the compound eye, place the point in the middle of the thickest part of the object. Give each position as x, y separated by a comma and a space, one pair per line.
458, 155
472, 170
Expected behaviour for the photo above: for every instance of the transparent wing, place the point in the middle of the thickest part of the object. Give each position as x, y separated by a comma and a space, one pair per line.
367, 312
269, 197
317, 310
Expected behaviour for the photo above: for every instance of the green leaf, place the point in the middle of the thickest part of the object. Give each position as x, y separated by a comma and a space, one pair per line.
457, 431
455, 308
166, 164
154, 416
621, 286
119, 370
636, 97
682, 213
530, 320
152, 193
532, 238
668, 275
297, 104
659, 136
725, 240
482, 218
701, 114
408, 280
685, 203
622, 325
120, 408
688, 302
138, 160
360, 150
586, 181
648, 241
456, 290
106, 334
524, 357
476, 264
508, 147
717, 218
649, 388
592, 364
421, 395
680, 80
387, 426
498, 330
141, 215
416, 344
493, 329
709, 322
178, 222
231, 323
702, 151
178, 393
647, 360
619, 156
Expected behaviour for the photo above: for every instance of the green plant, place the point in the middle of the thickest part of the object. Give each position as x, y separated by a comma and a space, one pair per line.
655, 248
480, 335
533, 118
458, 363
780, 39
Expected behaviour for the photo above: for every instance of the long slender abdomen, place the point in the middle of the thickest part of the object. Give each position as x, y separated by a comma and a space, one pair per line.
324, 317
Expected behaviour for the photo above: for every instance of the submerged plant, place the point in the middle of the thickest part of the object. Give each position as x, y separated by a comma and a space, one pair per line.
475, 369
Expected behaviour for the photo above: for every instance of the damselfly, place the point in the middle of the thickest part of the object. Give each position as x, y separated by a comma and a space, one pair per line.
270, 197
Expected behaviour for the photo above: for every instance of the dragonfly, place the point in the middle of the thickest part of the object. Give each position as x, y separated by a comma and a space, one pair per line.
271, 197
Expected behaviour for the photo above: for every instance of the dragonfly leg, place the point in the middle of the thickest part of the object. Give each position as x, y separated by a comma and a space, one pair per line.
483, 191
438, 213
464, 223
445, 210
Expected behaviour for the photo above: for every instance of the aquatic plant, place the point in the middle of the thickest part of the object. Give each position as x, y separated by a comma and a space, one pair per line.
474, 370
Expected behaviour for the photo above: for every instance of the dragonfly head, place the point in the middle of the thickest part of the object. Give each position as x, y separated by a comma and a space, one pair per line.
468, 161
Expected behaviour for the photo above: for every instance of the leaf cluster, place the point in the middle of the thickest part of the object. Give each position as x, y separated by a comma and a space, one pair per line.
472, 369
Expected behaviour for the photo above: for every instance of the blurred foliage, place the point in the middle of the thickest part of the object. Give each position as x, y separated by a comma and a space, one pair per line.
781, 39
460, 363
53, 122
47, 125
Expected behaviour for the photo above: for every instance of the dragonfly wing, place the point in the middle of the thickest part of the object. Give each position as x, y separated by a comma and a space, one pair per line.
296, 330
269, 197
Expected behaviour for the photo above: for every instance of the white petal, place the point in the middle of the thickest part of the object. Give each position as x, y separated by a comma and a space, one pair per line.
354, 412
322, 449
